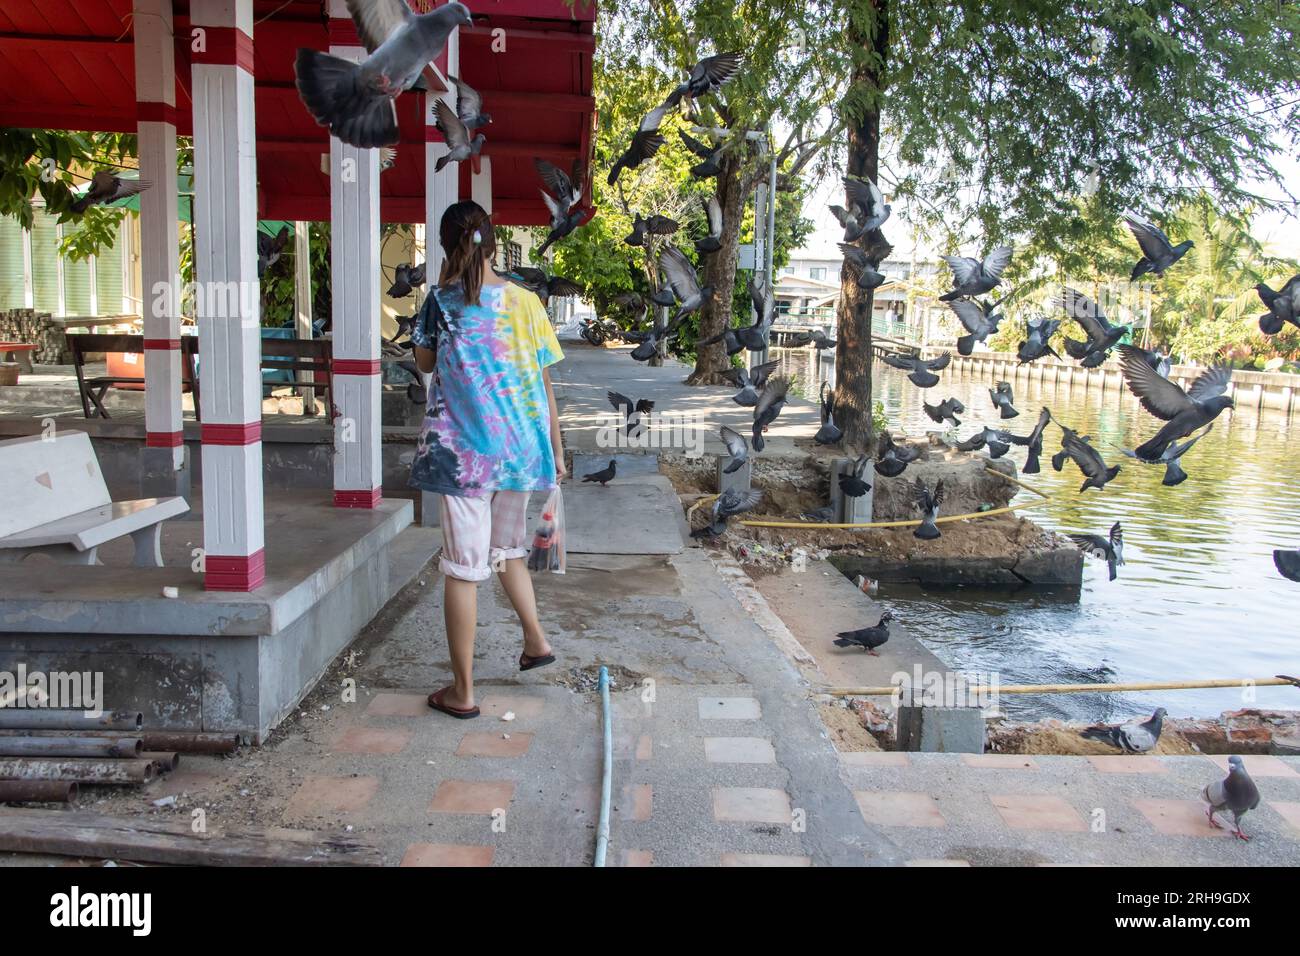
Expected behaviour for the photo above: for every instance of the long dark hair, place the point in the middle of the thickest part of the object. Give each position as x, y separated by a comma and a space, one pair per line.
467, 239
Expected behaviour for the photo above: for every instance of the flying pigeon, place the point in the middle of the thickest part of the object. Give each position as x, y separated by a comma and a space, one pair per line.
1236, 794
355, 100
730, 502
1159, 362
757, 336
650, 344
814, 337
1133, 737
945, 411
851, 483
664, 297
867, 638
459, 144
749, 381
106, 187
997, 441
891, 459
829, 433
1183, 412
406, 279
1034, 443
1094, 468
972, 277
706, 76
974, 443
542, 285
737, 448
927, 502
1004, 399
603, 476
861, 267
1288, 564
712, 242
770, 402
866, 209
921, 371
1109, 549
683, 282
979, 320
627, 408
1037, 332
1101, 335
709, 156
1171, 458
469, 105
1283, 306
655, 225
270, 248
563, 197
645, 142
1157, 252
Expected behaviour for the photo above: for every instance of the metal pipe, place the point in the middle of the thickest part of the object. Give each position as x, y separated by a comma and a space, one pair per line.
165, 761
37, 718
607, 771
180, 741
82, 770
70, 746
1279, 681
38, 791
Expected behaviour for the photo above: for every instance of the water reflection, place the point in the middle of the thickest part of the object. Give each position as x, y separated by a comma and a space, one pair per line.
1199, 596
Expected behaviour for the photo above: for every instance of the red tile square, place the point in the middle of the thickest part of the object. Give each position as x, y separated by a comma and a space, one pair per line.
398, 705
1257, 765
1178, 817
330, 796
1121, 763
494, 744
522, 706
764, 859
447, 854
1288, 811
999, 761
372, 740
644, 747
1038, 811
641, 798
874, 758
739, 750
898, 808
638, 858
472, 796
751, 805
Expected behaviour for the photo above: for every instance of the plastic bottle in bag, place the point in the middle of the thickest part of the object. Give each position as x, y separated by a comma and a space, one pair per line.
548, 552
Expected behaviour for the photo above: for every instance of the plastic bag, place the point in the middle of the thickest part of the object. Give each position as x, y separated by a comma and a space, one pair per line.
548, 551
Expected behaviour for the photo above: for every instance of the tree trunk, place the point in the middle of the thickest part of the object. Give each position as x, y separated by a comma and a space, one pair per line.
853, 355
720, 271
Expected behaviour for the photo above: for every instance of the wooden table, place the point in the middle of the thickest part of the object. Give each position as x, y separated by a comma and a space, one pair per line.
19, 352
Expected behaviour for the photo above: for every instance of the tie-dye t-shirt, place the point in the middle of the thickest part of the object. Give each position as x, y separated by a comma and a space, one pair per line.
487, 424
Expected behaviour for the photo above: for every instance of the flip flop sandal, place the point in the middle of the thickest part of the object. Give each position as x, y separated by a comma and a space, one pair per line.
527, 663
435, 701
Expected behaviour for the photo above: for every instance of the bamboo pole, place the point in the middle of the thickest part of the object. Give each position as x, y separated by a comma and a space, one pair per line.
1280, 681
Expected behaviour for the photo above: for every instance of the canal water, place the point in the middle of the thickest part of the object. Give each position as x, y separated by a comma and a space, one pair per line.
1199, 596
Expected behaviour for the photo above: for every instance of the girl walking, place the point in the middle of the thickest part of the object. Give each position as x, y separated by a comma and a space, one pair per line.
490, 437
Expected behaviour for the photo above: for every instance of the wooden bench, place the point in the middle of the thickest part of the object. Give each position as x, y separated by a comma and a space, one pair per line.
20, 352
56, 503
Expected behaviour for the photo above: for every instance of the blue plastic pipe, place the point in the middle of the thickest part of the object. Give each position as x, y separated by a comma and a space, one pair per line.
607, 773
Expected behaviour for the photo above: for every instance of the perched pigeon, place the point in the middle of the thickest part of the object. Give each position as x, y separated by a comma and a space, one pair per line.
406, 279
861, 267
355, 100
921, 371
945, 411
106, 187
979, 320
770, 402
709, 156
1283, 306
1034, 443
1133, 737
270, 248
1183, 412
1004, 400
469, 105
1101, 335
730, 502
737, 448
1094, 468
628, 408
927, 502
706, 76
655, 225
645, 142
814, 337
712, 241
866, 209
460, 146
683, 282
1037, 334
544, 286
1157, 252
851, 483
891, 459
972, 277
1236, 794
867, 638
603, 476
1171, 458
1287, 563
749, 381
1109, 549
829, 433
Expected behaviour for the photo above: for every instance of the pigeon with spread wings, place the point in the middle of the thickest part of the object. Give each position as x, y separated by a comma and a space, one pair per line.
1182, 412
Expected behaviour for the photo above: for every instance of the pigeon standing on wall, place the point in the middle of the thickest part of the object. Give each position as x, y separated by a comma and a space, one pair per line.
867, 638
106, 187
1236, 794
1133, 737
1004, 400
355, 100
1283, 306
927, 502
972, 277
978, 318
1157, 252
1183, 412
1109, 549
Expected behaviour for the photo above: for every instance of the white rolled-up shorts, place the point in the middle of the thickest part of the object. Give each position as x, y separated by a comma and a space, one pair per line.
479, 533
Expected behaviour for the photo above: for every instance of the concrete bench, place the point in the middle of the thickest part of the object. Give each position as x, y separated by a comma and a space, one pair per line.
53, 501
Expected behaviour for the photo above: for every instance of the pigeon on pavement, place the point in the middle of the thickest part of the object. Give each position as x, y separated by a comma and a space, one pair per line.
867, 638
971, 277
1183, 412
1157, 252
1135, 737
1109, 549
603, 476
1236, 794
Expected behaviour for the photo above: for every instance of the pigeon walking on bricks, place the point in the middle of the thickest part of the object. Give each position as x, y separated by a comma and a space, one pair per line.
867, 638
1109, 549
1004, 400
1134, 737
604, 476
1236, 794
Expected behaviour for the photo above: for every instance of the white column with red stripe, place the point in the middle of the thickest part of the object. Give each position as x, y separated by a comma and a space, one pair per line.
155, 92
441, 189
354, 301
228, 295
